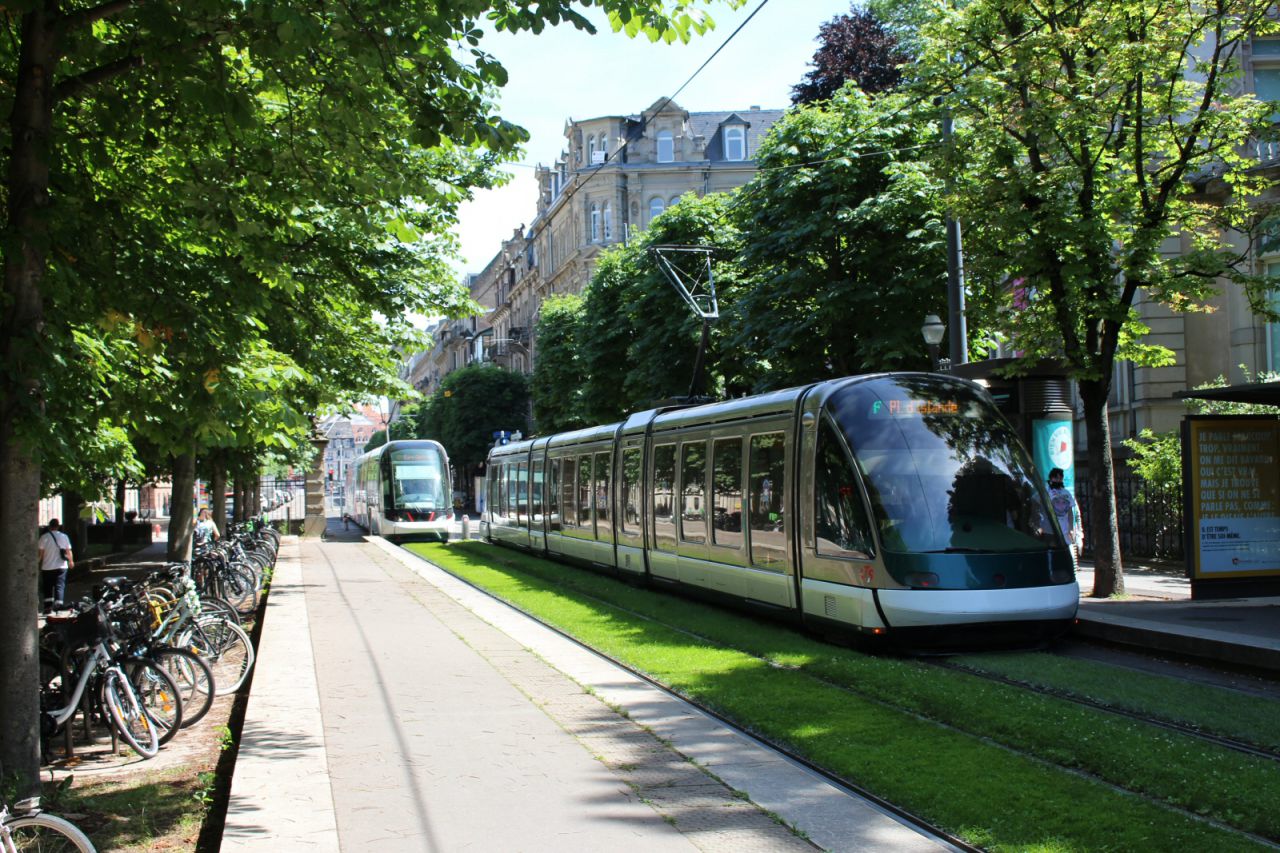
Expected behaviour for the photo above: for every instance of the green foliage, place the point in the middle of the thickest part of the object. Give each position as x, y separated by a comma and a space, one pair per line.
842, 246
472, 404
883, 719
638, 337
376, 440
556, 390
1082, 134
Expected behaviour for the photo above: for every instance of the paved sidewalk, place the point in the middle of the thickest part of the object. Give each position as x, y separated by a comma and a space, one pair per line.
440, 720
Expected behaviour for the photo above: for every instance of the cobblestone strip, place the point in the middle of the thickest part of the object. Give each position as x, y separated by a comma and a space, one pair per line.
702, 808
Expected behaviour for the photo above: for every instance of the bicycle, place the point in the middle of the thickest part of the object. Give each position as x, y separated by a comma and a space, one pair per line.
125, 709
29, 830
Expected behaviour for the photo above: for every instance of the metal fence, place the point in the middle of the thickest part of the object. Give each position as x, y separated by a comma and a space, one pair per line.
284, 500
1149, 518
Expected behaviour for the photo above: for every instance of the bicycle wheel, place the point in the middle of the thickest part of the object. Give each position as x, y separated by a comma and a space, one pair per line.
211, 605
46, 833
227, 650
237, 587
127, 716
194, 678
160, 697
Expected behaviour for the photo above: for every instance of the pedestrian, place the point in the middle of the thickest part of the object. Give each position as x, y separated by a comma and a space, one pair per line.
1066, 511
55, 560
206, 531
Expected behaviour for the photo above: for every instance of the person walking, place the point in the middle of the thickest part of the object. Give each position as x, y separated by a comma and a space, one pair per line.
1067, 512
206, 532
56, 559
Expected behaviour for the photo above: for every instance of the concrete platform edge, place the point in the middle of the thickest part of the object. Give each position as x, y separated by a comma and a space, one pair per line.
1209, 650
281, 798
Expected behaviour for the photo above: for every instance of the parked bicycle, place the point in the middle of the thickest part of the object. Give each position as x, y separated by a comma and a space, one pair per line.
27, 829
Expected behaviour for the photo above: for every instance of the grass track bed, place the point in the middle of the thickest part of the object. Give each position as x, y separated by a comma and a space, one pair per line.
1252, 719
962, 752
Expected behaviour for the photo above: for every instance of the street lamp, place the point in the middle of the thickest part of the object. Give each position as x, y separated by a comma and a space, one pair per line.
932, 331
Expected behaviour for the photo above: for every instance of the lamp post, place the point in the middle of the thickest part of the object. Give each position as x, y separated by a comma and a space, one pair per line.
932, 332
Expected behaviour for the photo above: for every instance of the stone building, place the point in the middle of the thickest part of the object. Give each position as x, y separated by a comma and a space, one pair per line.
615, 175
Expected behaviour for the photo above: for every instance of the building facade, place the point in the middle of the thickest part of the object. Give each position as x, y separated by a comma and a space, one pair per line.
615, 175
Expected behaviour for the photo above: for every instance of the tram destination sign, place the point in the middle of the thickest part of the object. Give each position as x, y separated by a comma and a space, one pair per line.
1232, 496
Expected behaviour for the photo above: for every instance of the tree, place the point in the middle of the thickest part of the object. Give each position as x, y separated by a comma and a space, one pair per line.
854, 47
842, 242
1089, 136
556, 388
472, 404
320, 121
638, 337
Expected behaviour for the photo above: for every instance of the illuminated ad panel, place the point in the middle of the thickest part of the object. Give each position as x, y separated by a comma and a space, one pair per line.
1233, 518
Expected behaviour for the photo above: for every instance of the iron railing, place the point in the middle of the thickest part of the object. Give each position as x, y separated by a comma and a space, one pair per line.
1149, 517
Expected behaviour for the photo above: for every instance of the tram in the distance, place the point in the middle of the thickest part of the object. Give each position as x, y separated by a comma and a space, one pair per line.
401, 490
897, 505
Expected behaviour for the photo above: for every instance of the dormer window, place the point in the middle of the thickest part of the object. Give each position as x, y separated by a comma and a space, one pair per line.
735, 142
666, 147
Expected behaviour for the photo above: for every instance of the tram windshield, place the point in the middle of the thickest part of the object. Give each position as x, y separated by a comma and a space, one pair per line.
417, 479
944, 471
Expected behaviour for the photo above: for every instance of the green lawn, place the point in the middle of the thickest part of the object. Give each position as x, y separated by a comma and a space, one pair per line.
1001, 766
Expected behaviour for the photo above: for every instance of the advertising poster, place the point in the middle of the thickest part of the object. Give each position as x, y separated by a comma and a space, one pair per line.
1053, 446
1233, 518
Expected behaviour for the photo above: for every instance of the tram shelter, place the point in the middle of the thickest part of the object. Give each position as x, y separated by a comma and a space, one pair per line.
1231, 495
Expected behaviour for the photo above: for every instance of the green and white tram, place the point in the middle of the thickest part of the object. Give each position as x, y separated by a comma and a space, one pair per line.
401, 490
897, 505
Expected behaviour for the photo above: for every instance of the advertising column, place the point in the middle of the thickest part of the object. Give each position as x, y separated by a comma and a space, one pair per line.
1232, 504
1053, 446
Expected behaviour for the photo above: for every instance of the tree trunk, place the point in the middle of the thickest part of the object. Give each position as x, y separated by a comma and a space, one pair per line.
218, 492
180, 515
1104, 532
22, 360
117, 531
255, 496
19, 606
72, 524
241, 498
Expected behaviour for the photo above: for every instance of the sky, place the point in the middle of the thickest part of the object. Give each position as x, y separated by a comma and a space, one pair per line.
563, 73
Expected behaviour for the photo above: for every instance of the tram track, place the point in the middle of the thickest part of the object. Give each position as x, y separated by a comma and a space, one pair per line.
847, 786
856, 790
1155, 722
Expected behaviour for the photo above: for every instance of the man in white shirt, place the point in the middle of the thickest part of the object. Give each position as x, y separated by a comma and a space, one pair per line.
55, 559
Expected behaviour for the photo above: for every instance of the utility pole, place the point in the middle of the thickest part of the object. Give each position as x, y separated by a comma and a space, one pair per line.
959, 338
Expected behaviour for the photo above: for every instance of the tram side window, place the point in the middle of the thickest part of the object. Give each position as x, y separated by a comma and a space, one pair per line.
843, 530
512, 484
499, 492
726, 493
553, 494
664, 482
535, 497
693, 487
584, 492
629, 492
602, 496
568, 487
522, 494
767, 489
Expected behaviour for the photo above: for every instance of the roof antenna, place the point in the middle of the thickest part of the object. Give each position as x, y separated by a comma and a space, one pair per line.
688, 268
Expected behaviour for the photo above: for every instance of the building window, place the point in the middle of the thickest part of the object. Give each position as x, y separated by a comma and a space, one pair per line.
666, 146
601, 150
608, 222
675, 199
591, 149
595, 223
735, 142
656, 205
